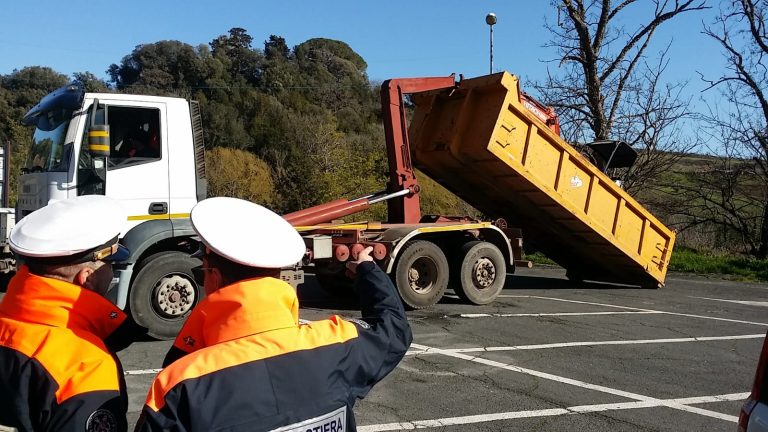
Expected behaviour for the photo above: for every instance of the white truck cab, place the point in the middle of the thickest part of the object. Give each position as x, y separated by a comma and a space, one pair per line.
155, 167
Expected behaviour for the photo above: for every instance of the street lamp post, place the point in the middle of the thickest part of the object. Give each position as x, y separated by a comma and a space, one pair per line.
490, 19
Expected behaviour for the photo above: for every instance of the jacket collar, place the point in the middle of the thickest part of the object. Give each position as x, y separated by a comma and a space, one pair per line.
248, 307
53, 302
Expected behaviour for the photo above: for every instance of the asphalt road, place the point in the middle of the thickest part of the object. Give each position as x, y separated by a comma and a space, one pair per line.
551, 356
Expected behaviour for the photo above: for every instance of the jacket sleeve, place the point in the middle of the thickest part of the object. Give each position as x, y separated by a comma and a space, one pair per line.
174, 416
384, 332
127, 333
150, 421
92, 411
173, 354
187, 339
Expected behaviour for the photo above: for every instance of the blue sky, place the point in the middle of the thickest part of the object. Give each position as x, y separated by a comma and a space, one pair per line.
397, 38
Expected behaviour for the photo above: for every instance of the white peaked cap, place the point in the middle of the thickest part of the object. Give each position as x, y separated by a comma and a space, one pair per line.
68, 227
247, 233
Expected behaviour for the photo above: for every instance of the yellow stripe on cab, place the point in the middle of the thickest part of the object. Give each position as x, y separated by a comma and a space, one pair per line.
161, 216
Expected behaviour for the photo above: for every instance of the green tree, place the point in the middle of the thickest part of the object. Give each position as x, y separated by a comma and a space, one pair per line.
334, 78
276, 48
91, 83
317, 163
279, 72
240, 174
437, 200
165, 67
236, 48
19, 91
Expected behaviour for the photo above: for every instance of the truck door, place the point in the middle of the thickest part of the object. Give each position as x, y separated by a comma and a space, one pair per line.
137, 169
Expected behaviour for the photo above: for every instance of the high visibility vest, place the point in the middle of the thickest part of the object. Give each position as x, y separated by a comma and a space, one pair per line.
58, 373
244, 362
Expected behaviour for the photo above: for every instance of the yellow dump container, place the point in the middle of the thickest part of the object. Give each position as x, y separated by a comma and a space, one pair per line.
481, 143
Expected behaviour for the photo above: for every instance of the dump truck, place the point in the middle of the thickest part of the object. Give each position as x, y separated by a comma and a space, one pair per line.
482, 138
500, 151
482, 143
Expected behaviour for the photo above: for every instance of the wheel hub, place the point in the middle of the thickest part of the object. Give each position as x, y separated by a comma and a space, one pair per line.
483, 273
175, 296
422, 274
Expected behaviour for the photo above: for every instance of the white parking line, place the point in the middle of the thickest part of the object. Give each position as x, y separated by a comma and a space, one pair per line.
577, 383
142, 372
540, 346
580, 409
743, 302
414, 370
536, 347
484, 315
717, 282
590, 343
652, 310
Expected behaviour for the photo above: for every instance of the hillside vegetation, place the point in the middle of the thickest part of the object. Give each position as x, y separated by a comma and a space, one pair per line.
292, 127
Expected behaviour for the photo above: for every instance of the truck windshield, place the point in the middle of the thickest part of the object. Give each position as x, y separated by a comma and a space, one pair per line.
47, 152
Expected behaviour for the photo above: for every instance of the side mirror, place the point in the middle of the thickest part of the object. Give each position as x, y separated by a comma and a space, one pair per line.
98, 135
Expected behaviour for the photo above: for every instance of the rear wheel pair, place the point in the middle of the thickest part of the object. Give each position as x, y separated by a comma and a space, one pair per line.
422, 273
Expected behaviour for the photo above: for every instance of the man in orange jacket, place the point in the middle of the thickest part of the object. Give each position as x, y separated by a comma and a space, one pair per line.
58, 334
244, 362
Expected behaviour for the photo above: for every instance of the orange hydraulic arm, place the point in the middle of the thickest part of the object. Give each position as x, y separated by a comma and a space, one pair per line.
404, 209
402, 190
327, 212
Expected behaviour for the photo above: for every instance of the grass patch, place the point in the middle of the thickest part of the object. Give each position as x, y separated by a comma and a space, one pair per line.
740, 267
539, 258
684, 260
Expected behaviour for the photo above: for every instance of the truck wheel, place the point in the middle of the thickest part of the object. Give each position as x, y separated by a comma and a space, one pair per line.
481, 274
164, 292
421, 274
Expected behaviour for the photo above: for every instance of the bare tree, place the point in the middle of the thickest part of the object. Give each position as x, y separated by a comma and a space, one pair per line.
741, 124
651, 119
604, 86
715, 202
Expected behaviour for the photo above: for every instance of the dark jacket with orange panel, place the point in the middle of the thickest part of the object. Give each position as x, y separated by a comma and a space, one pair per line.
250, 365
58, 369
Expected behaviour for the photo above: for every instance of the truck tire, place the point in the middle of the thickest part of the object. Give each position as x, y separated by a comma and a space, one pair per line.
164, 292
481, 273
421, 274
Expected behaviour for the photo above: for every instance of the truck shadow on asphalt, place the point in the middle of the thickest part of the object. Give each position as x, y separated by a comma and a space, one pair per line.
521, 282
311, 295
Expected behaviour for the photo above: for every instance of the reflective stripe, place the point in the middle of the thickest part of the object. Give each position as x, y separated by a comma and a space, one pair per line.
161, 216
352, 227
459, 227
238, 351
98, 147
265, 309
98, 133
335, 421
35, 322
